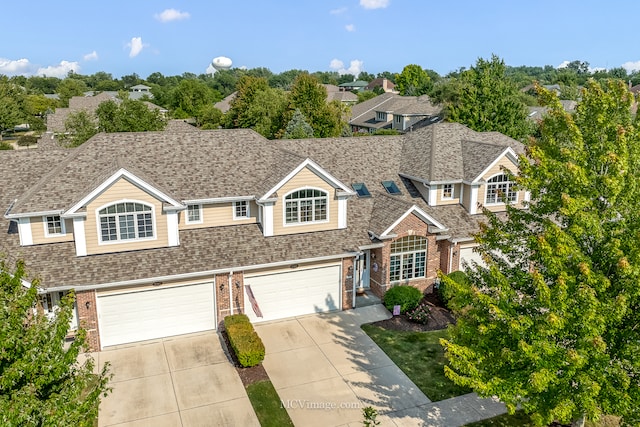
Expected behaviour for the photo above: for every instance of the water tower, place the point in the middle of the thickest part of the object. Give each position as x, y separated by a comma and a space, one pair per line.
221, 63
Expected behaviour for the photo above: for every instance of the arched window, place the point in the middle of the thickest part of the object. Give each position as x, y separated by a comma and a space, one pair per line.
125, 221
408, 258
308, 205
500, 190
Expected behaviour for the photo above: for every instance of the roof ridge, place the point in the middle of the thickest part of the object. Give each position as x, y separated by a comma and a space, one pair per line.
375, 106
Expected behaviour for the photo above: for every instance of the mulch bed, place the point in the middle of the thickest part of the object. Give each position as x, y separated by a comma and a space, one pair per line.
439, 318
247, 375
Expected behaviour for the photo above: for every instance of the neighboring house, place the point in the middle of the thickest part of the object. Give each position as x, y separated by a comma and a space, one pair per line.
140, 91
225, 104
356, 85
392, 111
385, 84
166, 233
334, 93
537, 113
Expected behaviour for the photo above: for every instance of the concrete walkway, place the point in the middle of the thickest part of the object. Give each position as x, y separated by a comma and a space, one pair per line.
326, 369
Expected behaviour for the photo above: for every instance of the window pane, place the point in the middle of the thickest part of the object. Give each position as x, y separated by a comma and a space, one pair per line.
306, 210
145, 226
291, 213
394, 268
420, 260
407, 266
108, 228
321, 209
127, 227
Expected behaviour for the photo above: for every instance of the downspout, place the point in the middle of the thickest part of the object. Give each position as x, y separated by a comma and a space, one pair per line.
231, 292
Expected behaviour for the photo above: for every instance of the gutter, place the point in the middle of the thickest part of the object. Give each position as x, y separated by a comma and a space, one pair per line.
194, 275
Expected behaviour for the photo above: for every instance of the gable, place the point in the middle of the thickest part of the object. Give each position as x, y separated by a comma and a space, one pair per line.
505, 161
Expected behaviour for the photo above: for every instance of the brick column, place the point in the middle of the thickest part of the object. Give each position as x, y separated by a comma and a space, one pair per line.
347, 283
88, 317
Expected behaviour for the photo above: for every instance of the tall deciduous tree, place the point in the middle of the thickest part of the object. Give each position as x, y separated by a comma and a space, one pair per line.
41, 382
485, 99
308, 96
12, 105
552, 324
79, 127
413, 81
128, 116
190, 96
69, 88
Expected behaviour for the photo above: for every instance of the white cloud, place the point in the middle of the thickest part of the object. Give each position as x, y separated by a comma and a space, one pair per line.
631, 66
91, 56
135, 46
374, 4
350, 27
564, 64
13, 67
355, 67
169, 15
61, 70
338, 11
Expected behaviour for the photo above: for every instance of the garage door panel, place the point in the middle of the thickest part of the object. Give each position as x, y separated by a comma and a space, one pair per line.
468, 256
295, 293
150, 314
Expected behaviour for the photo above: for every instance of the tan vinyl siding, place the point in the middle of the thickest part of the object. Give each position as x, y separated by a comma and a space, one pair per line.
466, 197
38, 233
305, 179
456, 195
503, 163
123, 190
219, 214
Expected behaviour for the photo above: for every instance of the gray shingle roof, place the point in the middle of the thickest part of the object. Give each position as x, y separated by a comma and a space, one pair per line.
236, 162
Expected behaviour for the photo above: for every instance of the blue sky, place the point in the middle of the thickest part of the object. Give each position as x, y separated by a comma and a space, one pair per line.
172, 37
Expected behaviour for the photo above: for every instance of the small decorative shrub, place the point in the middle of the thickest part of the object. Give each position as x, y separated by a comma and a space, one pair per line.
244, 340
420, 314
407, 297
27, 140
370, 415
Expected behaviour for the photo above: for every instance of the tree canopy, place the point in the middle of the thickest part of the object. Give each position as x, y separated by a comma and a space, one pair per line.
552, 323
413, 81
41, 382
485, 99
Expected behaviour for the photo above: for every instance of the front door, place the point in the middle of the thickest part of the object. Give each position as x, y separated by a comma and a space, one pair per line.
362, 268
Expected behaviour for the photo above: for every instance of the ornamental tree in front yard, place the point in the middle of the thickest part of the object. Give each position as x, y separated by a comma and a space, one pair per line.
553, 323
41, 382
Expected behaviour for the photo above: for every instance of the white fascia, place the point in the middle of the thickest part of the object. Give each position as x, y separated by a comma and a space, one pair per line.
123, 173
511, 155
439, 228
317, 169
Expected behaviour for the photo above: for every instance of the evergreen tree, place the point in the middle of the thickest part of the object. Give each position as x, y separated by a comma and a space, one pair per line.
298, 128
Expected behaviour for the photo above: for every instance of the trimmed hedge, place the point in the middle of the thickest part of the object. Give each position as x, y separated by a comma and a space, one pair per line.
407, 297
445, 291
244, 340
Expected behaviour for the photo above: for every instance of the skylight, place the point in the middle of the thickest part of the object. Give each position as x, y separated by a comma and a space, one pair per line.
391, 187
361, 189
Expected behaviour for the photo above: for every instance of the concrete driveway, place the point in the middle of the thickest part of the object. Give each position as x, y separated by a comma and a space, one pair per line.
181, 381
326, 369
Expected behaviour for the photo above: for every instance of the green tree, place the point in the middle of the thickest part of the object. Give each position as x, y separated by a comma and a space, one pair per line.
189, 96
78, 128
298, 128
413, 81
12, 105
209, 117
552, 323
69, 88
41, 382
128, 116
484, 99
310, 98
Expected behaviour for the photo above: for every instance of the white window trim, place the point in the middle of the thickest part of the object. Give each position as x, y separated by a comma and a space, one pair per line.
200, 213
120, 241
453, 192
235, 207
302, 224
504, 202
63, 230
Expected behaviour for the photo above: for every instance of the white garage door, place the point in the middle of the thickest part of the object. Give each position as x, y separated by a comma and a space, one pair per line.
294, 293
468, 256
155, 313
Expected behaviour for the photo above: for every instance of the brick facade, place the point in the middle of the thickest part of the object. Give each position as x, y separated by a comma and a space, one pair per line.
347, 283
88, 317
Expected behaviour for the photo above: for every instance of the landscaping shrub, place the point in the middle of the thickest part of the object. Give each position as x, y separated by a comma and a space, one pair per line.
5, 146
27, 140
244, 340
407, 297
420, 314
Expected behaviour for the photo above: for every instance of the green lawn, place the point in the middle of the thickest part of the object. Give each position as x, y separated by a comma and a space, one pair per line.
266, 403
421, 357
